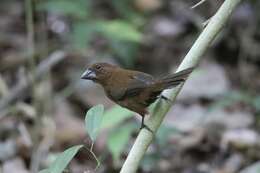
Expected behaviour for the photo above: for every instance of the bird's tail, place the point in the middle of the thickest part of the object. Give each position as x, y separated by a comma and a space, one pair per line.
175, 79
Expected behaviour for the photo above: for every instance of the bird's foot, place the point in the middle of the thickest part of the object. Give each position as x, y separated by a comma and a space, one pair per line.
166, 99
146, 127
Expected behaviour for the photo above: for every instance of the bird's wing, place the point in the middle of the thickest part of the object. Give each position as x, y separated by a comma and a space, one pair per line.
139, 81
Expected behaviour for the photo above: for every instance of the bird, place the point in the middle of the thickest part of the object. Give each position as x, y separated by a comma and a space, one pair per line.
134, 90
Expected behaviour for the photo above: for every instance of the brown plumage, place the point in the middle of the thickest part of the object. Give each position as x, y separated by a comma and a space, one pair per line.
133, 90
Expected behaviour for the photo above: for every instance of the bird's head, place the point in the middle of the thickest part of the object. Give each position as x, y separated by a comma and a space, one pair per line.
98, 72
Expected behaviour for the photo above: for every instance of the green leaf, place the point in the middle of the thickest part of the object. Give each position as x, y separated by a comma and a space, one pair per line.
65, 7
82, 33
115, 116
93, 121
127, 11
63, 160
118, 139
119, 30
125, 51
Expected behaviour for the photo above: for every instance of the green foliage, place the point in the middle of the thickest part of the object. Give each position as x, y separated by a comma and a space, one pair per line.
119, 30
123, 37
115, 116
62, 160
93, 121
118, 139
82, 34
76, 8
125, 51
122, 34
125, 9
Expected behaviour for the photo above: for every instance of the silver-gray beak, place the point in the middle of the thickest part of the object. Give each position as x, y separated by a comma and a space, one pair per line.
89, 75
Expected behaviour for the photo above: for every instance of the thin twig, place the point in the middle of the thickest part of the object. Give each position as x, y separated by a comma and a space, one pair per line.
198, 4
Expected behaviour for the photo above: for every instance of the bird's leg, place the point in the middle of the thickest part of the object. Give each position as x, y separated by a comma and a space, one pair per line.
165, 98
142, 124
145, 126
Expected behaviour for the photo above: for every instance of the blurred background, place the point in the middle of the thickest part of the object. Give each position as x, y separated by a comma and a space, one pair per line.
45, 45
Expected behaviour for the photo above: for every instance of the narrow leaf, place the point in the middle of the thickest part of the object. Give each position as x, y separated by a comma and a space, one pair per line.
63, 160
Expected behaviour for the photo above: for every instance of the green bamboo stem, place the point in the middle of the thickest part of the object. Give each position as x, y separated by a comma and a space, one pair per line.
144, 139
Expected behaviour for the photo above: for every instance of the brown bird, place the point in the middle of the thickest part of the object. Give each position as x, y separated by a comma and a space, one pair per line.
133, 90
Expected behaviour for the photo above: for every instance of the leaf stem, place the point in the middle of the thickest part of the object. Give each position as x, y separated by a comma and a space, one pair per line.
94, 155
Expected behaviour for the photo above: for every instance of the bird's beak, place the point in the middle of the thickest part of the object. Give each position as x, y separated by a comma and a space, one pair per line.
89, 75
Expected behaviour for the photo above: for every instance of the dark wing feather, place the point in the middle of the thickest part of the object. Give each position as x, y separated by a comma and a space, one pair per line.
139, 81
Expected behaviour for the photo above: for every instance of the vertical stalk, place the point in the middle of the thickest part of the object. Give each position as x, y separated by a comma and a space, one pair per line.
144, 139
30, 34
29, 18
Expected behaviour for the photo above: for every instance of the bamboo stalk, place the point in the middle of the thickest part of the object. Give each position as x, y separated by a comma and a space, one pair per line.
145, 138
